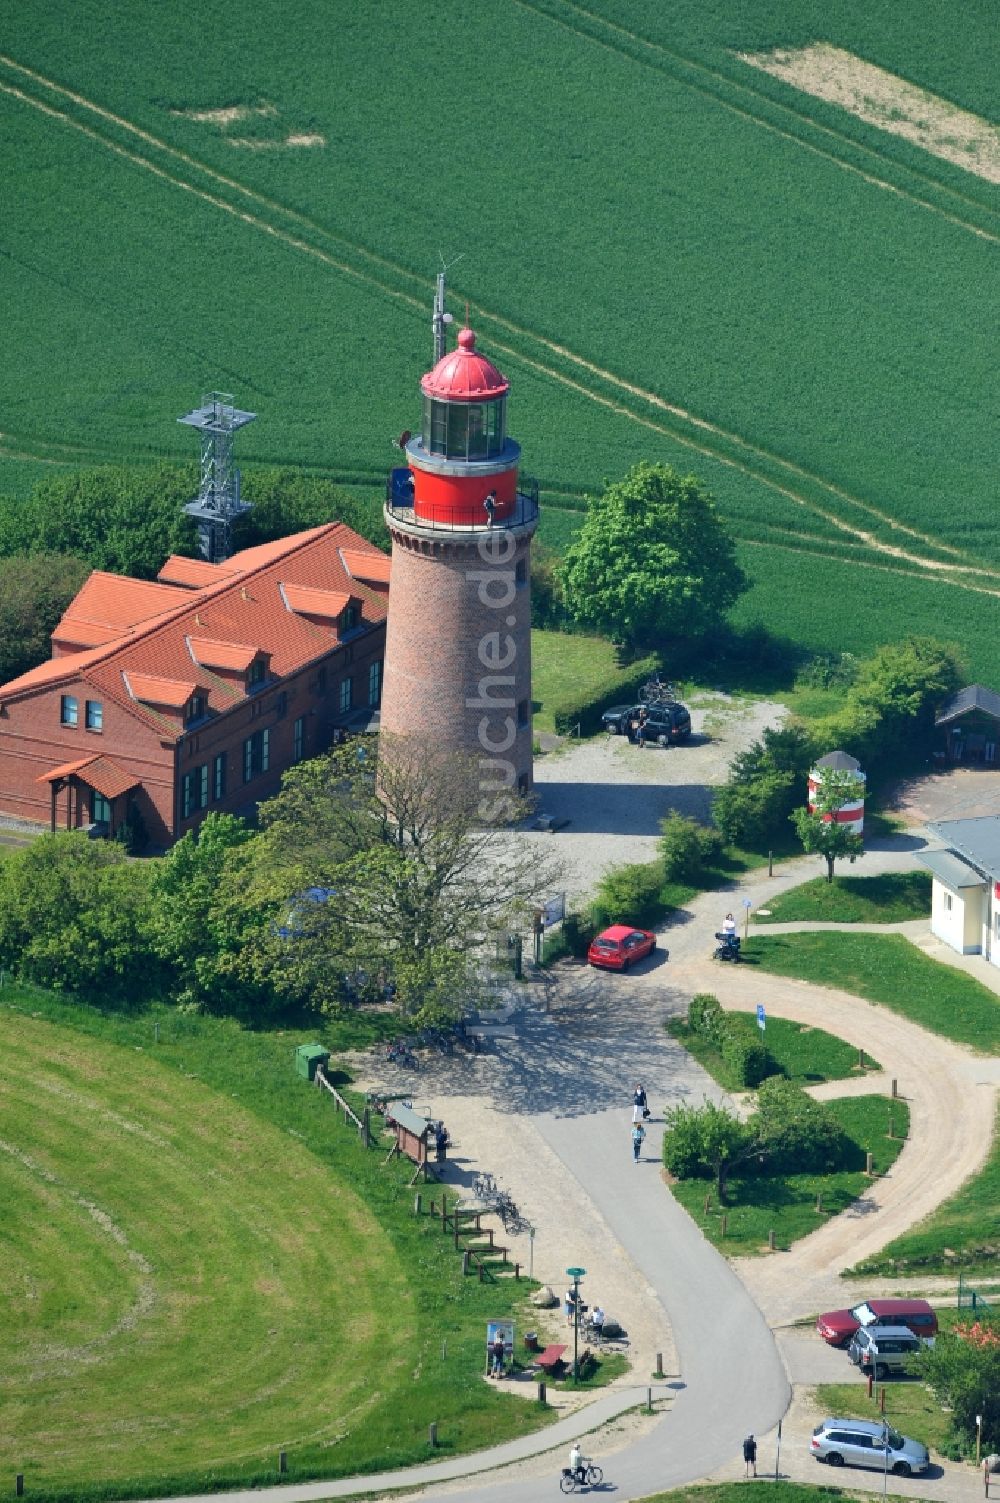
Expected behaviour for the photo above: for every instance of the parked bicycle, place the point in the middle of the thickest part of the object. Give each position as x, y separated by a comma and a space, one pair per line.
658, 691
398, 1052
484, 1187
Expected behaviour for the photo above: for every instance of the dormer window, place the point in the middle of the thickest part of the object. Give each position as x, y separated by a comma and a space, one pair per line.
348, 617
256, 673
196, 708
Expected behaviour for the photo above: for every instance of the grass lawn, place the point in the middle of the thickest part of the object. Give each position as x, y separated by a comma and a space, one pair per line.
567, 669
909, 1405
888, 969
200, 1265
786, 1203
604, 1369
805, 1055
889, 899
780, 1492
964, 1232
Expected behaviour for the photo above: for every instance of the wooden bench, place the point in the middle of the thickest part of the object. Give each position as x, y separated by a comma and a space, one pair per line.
550, 1359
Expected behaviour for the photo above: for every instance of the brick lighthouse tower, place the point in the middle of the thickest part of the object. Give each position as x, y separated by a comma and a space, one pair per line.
458, 643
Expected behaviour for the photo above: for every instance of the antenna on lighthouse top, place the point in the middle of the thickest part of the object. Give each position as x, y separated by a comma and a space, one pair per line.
441, 319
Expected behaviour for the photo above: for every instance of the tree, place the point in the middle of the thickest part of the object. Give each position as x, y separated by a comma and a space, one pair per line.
286, 500
788, 1130
74, 915
963, 1369
764, 782
652, 560
687, 847
416, 885
34, 592
819, 830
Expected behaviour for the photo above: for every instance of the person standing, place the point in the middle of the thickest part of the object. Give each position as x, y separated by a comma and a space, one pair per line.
750, 1454
498, 1355
638, 1138
640, 729
729, 926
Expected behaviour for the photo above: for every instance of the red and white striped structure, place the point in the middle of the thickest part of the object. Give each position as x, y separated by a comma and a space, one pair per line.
851, 814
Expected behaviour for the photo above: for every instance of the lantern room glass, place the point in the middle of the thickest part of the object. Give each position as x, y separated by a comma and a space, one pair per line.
464, 430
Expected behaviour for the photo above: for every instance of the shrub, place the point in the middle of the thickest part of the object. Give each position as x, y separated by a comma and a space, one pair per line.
705, 1015
687, 848
628, 894
578, 930
964, 1372
747, 1057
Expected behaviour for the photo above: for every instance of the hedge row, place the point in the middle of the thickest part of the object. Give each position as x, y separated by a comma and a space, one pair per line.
746, 1056
586, 711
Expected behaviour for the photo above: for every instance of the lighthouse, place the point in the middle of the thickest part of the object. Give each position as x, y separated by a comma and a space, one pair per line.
458, 641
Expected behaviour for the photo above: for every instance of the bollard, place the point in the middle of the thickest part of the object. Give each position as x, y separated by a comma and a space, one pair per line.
19, 1484
770, 863
541, 1393
986, 1479
282, 1461
861, 1059
871, 1380
708, 1204
517, 1270
649, 1401
819, 1202
432, 1435
881, 1398
895, 1091
659, 1364
770, 1240
465, 1263
417, 1204
869, 1161
725, 1223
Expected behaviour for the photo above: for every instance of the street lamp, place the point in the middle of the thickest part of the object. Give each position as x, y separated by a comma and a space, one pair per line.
576, 1274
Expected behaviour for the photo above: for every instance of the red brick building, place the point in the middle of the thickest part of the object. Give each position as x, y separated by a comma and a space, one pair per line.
196, 692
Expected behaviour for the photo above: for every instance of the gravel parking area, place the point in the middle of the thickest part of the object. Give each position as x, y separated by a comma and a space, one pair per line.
613, 796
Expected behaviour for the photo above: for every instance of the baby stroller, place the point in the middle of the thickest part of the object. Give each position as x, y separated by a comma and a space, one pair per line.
728, 948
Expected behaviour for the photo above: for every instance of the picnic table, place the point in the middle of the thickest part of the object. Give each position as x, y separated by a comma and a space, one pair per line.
551, 1358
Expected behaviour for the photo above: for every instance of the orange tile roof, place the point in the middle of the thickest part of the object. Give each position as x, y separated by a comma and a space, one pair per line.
169, 692
372, 567
192, 572
99, 773
244, 610
211, 654
116, 603
312, 602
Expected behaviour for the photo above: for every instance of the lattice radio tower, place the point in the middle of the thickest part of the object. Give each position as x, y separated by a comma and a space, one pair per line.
218, 502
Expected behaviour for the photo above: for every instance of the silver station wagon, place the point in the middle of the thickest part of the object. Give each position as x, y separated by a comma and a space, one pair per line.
843, 1442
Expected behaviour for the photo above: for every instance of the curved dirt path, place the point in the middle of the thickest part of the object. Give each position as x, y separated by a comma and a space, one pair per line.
951, 1095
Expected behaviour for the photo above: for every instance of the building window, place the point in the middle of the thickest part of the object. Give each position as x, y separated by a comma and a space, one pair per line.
94, 718
947, 902
256, 755
321, 681
281, 705
219, 783
187, 795
196, 708
348, 617
375, 684
202, 775
100, 809
346, 695
299, 739
257, 671
522, 713
69, 710
521, 572
248, 759
265, 750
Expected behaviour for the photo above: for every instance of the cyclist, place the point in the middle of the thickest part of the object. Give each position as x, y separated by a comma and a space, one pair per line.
578, 1464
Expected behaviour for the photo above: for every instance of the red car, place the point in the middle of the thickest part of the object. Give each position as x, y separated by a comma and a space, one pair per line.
838, 1326
618, 946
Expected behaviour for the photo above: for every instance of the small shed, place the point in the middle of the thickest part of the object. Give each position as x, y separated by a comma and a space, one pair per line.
957, 896
309, 1058
411, 1130
967, 726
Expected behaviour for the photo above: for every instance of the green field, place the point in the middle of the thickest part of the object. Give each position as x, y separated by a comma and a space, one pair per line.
893, 898
721, 272
199, 1266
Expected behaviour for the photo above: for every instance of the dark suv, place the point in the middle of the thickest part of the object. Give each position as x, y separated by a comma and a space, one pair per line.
665, 723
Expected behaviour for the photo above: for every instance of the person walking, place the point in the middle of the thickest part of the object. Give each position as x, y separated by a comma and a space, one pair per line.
638, 1138
750, 1454
640, 1108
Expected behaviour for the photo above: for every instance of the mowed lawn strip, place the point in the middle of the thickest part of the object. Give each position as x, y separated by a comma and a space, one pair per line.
909, 1406
215, 1278
892, 898
886, 968
803, 1054
964, 1232
786, 1203
568, 669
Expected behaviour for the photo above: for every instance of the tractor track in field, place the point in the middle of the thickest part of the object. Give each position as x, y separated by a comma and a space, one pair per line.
663, 56
710, 436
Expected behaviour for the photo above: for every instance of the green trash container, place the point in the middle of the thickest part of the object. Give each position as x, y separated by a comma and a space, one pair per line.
308, 1058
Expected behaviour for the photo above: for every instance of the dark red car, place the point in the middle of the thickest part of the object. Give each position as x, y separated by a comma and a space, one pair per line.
618, 946
838, 1326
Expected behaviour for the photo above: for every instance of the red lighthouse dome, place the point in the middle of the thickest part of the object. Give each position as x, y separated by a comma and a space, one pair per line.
464, 465
464, 375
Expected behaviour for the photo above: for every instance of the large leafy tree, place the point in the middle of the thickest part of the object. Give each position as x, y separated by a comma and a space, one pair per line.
34, 592
390, 868
652, 560
818, 829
